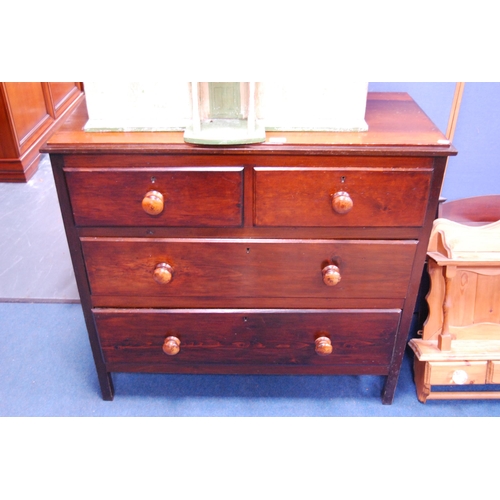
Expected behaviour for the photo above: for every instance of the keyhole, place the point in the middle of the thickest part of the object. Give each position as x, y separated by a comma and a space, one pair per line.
248, 250
342, 179
153, 180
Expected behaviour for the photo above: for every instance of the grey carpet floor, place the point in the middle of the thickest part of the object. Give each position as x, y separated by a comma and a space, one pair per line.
35, 264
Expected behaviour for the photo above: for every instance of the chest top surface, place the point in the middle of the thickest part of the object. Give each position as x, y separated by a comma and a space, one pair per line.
396, 124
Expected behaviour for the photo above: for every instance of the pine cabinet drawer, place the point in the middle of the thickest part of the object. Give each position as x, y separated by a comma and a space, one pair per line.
170, 197
200, 338
457, 373
248, 268
324, 197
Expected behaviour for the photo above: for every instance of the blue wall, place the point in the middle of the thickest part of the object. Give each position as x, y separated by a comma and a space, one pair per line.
476, 169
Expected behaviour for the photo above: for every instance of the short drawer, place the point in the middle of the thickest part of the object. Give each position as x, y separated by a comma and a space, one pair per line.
232, 337
457, 373
190, 197
248, 268
323, 197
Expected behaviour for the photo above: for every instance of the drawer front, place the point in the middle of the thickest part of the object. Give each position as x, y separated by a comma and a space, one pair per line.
229, 337
337, 197
197, 197
248, 268
458, 373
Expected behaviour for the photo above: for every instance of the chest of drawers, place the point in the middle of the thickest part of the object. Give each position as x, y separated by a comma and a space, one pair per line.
302, 255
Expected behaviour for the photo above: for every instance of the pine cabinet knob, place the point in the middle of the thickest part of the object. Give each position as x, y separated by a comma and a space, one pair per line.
152, 203
171, 346
331, 275
460, 377
163, 273
342, 202
323, 346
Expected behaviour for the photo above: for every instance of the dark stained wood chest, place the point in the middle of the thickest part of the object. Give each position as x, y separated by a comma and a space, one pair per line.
302, 255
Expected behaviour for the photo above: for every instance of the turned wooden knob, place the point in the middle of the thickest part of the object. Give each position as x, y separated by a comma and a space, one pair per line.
163, 273
342, 202
331, 275
323, 346
171, 346
153, 203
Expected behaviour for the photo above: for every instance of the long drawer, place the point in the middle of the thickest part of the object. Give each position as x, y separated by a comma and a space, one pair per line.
324, 197
247, 337
193, 197
248, 268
